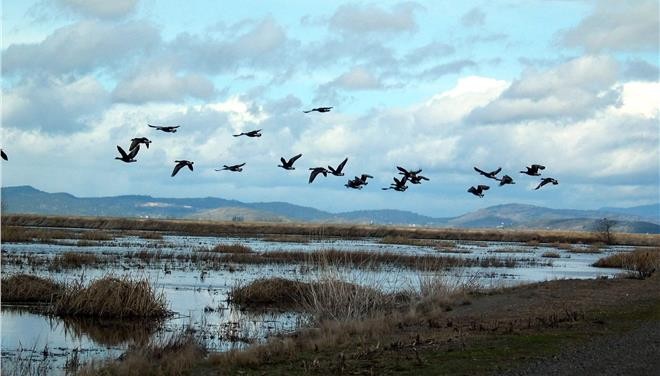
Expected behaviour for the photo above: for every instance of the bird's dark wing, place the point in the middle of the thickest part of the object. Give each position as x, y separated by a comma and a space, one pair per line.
484, 187
295, 158
341, 165
134, 151
472, 190
135, 142
496, 171
153, 126
4, 156
190, 166
403, 170
283, 161
177, 168
122, 152
538, 166
240, 134
313, 175
240, 165
423, 178
365, 176
482, 172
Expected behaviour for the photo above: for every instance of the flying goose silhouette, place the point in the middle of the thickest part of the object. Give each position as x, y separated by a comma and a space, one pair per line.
545, 181
417, 179
354, 183
315, 172
4, 156
180, 164
288, 165
319, 109
254, 133
398, 185
234, 168
533, 170
338, 171
506, 179
130, 157
490, 175
137, 141
407, 174
478, 191
168, 129
363, 178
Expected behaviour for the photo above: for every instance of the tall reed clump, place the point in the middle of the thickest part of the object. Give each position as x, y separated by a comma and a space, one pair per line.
231, 248
68, 260
641, 262
26, 288
177, 354
273, 292
112, 297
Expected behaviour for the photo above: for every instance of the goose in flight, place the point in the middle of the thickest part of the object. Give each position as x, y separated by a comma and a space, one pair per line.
130, 157
545, 181
417, 179
180, 164
363, 178
168, 129
533, 170
398, 185
234, 168
338, 171
315, 172
254, 133
490, 175
319, 109
354, 183
478, 191
288, 165
137, 141
407, 174
4, 156
506, 179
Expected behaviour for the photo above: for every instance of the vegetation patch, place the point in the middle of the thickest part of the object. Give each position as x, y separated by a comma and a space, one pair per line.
550, 254
111, 297
641, 262
73, 260
231, 248
24, 288
96, 235
398, 239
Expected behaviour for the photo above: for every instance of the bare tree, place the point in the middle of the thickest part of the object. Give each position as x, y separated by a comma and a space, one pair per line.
604, 229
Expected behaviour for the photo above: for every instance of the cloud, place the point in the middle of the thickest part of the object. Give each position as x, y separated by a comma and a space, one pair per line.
432, 50
474, 17
53, 105
443, 69
358, 78
82, 47
372, 19
637, 69
162, 84
572, 90
101, 8
616, 25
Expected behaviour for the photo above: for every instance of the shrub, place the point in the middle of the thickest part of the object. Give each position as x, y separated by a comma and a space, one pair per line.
641, 262
26, 288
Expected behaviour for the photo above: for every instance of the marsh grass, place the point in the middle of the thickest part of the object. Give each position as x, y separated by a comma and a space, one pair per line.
283, 238
26, 362
24, 288
398, 239
176, 354
592, 248
74, 260
20, 234
268, 292
641, 262
551, 254
111, 297
231, 248
96, 235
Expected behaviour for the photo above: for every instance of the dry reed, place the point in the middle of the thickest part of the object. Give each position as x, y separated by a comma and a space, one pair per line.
72, 260
231, 248
550, 254
641, 262
26, 288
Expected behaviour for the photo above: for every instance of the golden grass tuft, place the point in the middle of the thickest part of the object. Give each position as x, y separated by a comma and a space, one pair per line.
97, 235
550, 254
231, 248
26, 288
391, 239
279, 292
112, 297
72, 260
641, 262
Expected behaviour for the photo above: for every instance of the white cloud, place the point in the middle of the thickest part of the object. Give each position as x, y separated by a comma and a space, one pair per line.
101, 8
162, 84
358, 78
474, 17
368, 19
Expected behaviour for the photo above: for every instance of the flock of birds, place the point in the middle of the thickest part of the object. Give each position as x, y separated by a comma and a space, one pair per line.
358, 182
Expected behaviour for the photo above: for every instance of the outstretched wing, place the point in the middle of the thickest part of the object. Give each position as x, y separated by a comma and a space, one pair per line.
190, 166
472, 190
313, 175
134, 151
403, 170
484, 187
154, 126
177, 168
538, 167
294, 158
135, 142
122, 152
4, 156
240, 134
341, 165
239, 165
496, 171
283, 161
482, 172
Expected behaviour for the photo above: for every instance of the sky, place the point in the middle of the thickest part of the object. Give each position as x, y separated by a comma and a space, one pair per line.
441, 86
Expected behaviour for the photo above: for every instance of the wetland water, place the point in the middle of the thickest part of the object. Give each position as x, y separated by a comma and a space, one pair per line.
197, 292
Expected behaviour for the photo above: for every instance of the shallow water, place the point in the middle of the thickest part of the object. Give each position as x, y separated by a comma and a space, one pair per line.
199, 297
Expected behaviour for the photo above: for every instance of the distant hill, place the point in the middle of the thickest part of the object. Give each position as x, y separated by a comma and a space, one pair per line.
26, 199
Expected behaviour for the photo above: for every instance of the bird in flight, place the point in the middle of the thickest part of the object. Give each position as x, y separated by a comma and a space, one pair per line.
412, 175
417, 179
533, 170
130, 157
319, 109
398, 185
254, 133
506, 179
288, 165
180, 164
490, 175
478, 191
358, 182
316, 171
168, 129
234, 168
4, 156
545, 181
137, 141
338, 171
